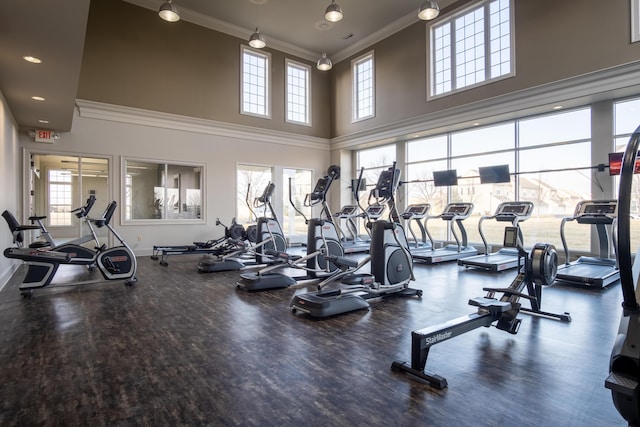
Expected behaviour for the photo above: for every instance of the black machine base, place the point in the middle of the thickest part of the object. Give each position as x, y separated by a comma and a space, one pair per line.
209, 264
260, 282
339, 301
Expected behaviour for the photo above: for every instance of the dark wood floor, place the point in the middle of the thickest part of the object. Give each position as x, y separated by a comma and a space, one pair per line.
183, 348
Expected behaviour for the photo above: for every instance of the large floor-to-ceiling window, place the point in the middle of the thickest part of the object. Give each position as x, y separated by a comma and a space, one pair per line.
549, 157
626, 121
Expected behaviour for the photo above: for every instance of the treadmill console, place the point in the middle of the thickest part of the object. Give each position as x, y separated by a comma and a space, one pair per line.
455, 211
596, 211
508, 211
375, 211
416, 211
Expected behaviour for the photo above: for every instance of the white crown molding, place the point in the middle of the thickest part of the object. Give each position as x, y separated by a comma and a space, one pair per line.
613, 83
138, 116
230, 29
374, 38
243, 33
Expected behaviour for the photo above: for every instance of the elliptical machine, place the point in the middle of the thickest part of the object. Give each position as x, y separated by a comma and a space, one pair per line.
624, 367
115, 263
322, 240
389, 257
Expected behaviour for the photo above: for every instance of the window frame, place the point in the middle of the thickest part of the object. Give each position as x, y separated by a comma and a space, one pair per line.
355, 98
307, 97
450, 19
126, 194
56, 178
266, 56
635, 21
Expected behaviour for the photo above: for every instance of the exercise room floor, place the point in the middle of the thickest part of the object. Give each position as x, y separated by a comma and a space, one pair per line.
183, 348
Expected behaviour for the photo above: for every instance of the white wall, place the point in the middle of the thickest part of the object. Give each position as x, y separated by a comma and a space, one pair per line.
107, 130
9, 173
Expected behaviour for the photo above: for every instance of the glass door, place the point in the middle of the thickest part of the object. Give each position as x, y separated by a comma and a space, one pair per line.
60, 184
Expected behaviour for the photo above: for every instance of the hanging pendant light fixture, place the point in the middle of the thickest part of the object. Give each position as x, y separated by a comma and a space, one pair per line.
168, 12
256, 39
429, 10
333, 12
324, 63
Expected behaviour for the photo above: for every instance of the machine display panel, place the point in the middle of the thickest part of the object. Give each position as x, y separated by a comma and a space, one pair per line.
600, 209
514, 209
615, 164
458, 209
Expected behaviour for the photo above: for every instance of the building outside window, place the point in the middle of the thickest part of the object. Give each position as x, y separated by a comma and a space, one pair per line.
549, 157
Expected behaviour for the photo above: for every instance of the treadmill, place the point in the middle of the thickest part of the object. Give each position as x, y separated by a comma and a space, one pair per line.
416, 213
453, 213
505, 258
597, 272
353, 243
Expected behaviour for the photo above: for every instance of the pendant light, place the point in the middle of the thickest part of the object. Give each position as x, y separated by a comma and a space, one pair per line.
429, 10
256, 39
333, 12
168, 12
324, 63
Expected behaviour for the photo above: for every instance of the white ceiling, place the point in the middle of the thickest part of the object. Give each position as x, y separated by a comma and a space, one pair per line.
55, 30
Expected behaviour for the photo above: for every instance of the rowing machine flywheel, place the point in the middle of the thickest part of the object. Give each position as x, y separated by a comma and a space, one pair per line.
543, 263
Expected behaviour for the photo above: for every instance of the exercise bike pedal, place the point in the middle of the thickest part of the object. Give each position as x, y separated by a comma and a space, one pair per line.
622, 383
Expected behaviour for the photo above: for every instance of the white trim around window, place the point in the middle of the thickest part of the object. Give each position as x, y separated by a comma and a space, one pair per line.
635, 21
454, 65
298, 93
363, 82
255, 83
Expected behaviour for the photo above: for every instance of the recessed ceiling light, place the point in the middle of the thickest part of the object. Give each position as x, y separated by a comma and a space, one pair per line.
37, 98
43, 121
476, 124
558, 107
32, 59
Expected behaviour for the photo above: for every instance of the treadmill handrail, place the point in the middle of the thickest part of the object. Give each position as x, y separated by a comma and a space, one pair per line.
451, 218
611, 235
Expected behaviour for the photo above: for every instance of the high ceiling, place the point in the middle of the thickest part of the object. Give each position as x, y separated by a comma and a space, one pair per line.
54, 31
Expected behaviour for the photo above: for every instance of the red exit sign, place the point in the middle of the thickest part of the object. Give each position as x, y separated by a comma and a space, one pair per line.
44, 136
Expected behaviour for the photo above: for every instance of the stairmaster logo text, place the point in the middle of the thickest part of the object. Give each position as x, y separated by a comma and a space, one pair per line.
434, 339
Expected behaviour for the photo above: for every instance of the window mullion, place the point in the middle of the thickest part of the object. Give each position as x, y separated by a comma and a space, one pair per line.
487, 42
